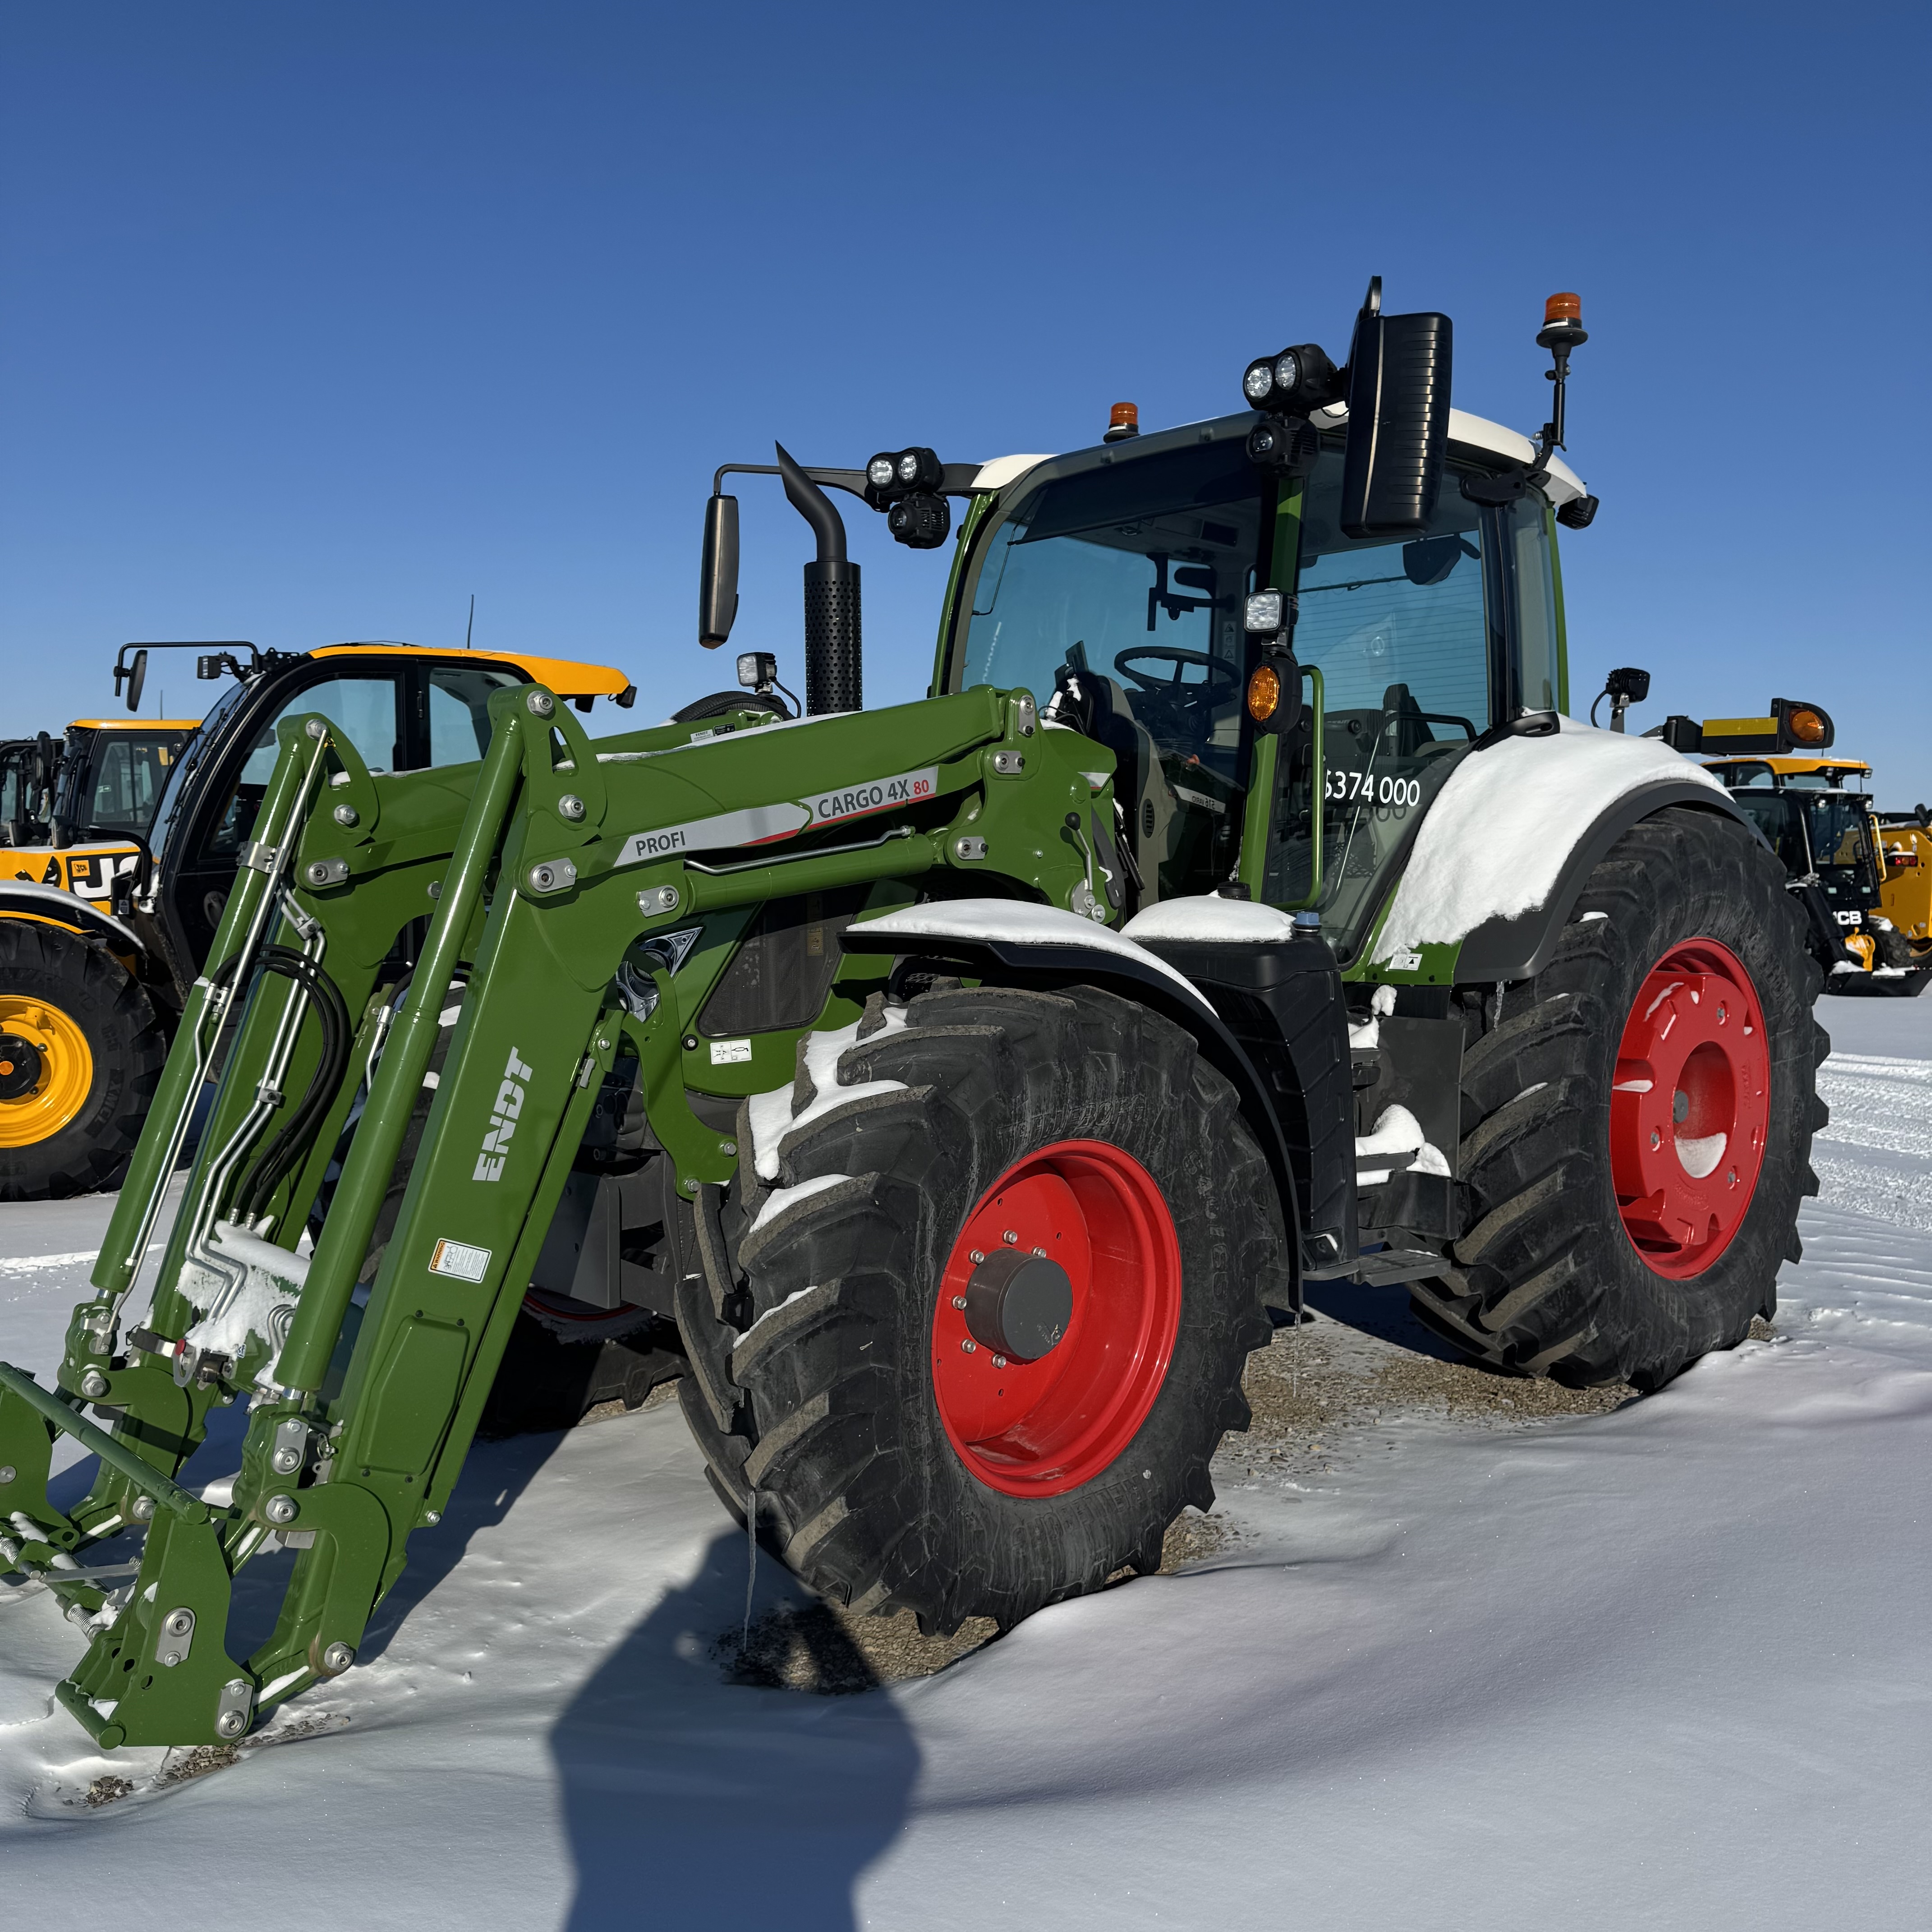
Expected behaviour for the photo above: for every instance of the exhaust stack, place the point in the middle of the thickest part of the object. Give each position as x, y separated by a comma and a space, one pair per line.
833, 681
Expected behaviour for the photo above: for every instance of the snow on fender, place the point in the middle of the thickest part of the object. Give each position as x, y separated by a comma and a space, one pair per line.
1494, 844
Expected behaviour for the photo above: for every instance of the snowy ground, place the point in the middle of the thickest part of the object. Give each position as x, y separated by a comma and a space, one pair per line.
1660, 1667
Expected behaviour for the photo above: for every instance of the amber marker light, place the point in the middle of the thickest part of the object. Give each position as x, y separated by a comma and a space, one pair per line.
1263, 693
1562, 308
1807, 727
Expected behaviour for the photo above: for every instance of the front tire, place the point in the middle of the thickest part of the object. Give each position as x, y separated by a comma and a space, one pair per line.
898, 1461
81, 1055
1637, 1120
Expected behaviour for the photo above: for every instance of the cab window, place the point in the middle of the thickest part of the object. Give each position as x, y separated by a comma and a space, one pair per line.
366, 706
459, 711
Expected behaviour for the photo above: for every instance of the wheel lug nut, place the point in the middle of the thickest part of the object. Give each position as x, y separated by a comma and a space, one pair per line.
974, 1256
1011, 1237
999, 1361
959, 1301
969, 1348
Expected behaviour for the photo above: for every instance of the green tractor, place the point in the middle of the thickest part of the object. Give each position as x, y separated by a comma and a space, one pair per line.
957, 1087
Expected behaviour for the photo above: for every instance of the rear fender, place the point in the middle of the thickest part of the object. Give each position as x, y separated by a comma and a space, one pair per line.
1520, 947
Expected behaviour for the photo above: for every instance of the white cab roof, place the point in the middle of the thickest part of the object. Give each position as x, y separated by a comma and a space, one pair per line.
1472, 432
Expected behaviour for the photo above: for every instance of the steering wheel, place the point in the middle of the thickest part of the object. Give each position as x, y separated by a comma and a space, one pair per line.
1224, 675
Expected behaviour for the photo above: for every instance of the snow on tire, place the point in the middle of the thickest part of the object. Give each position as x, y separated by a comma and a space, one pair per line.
1637, 1120
992, 1342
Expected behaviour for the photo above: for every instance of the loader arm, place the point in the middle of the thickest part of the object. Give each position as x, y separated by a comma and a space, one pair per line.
554, 868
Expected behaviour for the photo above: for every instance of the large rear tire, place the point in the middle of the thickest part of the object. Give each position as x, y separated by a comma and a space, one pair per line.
911, 1445
1637, 1120
81, 1055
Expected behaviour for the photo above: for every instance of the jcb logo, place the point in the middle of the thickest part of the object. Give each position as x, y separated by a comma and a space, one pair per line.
503, 1120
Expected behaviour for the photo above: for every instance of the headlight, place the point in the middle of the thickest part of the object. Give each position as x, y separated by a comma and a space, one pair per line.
879, 471
1261, 614
1287, 369
1256, 384
909, 466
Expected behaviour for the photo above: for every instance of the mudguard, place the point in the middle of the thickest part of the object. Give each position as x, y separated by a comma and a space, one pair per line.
20, 898
1493, 872
1012, 943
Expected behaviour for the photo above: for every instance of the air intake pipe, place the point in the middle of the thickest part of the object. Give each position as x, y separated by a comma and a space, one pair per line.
832, 632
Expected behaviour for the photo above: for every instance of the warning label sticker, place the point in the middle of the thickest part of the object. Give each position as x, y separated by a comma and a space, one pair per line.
460, 1259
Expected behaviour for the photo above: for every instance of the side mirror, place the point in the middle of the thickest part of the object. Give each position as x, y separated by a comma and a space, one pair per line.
135, 675
718, 576
1398, 385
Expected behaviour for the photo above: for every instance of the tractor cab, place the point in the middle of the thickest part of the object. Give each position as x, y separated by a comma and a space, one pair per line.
27, 768
1120, 584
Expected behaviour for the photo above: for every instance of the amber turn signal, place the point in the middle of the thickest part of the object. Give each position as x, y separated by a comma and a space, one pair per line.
1263, 693
1806, 726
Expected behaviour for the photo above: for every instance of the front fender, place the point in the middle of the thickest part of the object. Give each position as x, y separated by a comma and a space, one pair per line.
20, 898
1006, 942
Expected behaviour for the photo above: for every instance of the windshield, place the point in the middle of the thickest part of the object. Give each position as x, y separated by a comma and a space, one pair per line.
120, 777
1826, 834
1128, 580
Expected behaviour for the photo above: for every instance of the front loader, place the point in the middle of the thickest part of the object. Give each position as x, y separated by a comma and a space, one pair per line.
968, 1081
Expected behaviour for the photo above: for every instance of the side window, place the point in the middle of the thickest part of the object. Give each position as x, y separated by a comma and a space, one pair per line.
459, 711
1536, 603
363, 705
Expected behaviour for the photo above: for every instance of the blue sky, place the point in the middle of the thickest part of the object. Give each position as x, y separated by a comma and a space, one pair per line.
314, 320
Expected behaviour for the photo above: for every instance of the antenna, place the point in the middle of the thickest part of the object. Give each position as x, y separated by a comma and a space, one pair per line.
470, 630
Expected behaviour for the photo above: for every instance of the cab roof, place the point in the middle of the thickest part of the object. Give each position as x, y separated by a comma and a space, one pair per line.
566, 677
1476, 432
1784, 766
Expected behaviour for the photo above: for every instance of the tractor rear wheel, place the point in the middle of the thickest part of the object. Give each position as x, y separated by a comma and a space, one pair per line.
1637, 1120
995, 1317
81, 1055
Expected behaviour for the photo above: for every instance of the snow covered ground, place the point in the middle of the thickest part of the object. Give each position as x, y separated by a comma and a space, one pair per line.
1661, 1667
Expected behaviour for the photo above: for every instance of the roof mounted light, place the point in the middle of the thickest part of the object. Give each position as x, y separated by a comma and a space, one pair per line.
1291, 382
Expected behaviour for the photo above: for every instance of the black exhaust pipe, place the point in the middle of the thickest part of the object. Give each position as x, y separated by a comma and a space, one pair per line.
832, 630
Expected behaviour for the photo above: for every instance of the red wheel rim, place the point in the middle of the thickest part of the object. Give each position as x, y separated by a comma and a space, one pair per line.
1042, 1428
1689, 1109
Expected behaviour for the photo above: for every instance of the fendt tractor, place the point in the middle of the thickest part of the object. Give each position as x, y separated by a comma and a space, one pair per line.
1858, 872
109, 901
961, 1084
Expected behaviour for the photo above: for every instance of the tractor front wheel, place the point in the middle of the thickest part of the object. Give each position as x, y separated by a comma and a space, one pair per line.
996, 1317
1637, 1120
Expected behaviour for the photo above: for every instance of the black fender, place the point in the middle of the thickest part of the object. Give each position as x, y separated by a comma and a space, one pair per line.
20, 898
1110, 963
1520, 947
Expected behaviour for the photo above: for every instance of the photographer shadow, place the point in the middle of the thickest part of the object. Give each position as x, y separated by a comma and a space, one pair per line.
691, 1798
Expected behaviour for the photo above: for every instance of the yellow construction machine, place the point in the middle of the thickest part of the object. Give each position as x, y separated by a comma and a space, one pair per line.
1865, 876
116, 871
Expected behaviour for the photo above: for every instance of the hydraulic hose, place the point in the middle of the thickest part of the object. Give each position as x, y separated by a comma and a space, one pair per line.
282, 1154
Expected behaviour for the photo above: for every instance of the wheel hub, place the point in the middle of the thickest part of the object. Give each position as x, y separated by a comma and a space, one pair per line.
1691, 1108
1018, 1305
20, 1066
1056, 1317
49, 1070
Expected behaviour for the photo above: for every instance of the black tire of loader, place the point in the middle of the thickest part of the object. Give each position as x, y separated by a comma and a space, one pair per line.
104, 1000
857, 1485
1547, 1281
